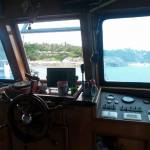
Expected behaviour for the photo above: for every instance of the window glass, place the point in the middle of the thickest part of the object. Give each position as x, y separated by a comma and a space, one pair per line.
5, 71
53, 44
126, 45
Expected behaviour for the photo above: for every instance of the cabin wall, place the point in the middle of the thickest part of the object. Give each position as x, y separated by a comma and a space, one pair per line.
125, 4
13, 9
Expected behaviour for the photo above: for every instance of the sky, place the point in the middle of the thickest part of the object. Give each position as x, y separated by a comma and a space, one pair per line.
131, 33
73, 38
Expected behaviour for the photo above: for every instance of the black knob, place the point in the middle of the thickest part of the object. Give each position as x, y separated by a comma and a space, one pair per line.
114, 107
130, 108
135, 109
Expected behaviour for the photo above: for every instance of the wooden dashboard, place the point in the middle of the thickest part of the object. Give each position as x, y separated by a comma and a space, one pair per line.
79, 125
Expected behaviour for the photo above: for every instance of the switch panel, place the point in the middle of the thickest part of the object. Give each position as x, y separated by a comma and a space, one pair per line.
123, 107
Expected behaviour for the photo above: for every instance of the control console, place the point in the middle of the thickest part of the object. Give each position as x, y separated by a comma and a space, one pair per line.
123, 107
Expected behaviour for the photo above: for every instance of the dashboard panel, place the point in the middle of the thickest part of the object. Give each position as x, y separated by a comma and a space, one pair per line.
123, 107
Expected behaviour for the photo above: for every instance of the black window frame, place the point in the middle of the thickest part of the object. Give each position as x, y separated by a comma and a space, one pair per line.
114, 14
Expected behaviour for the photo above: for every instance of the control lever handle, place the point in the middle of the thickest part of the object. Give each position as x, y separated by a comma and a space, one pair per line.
29, 77
33, 79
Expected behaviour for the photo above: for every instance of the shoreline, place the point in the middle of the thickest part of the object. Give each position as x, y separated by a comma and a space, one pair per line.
55, 63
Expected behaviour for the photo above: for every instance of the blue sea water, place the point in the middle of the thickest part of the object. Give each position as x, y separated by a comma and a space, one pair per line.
116, 74
127, 74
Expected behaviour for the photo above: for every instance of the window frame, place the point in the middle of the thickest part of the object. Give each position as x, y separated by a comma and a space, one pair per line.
9, 51
114, 14
49, 19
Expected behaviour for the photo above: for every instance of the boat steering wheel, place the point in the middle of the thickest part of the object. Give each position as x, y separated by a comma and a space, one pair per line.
28, 117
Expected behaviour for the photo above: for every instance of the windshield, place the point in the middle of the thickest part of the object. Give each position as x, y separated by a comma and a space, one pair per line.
126, 49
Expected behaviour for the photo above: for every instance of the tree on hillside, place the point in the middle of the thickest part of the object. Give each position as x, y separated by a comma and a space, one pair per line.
59, 52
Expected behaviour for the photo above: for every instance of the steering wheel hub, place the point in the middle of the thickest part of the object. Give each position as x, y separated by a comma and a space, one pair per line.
26, 118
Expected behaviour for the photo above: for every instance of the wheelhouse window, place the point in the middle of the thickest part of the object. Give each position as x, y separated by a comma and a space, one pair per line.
5, 70
126, 49
53, 44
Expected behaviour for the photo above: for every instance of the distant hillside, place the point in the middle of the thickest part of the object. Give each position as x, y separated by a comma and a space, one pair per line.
54, 52
126, 56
